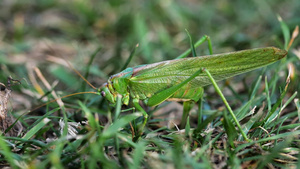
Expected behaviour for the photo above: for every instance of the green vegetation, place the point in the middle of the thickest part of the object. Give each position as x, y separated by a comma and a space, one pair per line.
39, 38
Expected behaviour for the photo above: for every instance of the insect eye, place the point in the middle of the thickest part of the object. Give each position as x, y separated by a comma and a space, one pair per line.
102, 93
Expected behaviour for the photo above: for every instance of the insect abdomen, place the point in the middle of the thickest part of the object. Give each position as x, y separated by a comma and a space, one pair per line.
186, 93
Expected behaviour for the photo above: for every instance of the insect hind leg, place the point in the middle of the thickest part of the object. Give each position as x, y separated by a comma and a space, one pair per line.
198, 43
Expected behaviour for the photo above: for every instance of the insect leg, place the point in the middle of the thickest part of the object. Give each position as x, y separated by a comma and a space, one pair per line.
167, 93
226, 104
162, 96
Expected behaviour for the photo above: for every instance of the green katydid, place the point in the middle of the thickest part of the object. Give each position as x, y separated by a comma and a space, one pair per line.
182, 79
150, 82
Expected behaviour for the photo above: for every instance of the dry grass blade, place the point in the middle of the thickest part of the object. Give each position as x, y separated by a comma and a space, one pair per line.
294, 35
48, 86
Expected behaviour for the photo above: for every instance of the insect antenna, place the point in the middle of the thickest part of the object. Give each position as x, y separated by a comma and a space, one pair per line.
54, 100
69, 95
78, 73
71, 67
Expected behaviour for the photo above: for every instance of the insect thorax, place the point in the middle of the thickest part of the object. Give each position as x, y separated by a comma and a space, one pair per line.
117, 85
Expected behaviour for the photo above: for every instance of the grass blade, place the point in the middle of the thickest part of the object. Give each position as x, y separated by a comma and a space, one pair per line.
130, 57
297, 103
138, 155
191, 43
118, 124
36, 128
285, 32
5, 150
198, 43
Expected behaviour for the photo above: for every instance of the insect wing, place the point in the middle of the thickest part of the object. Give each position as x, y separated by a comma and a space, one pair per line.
150, 79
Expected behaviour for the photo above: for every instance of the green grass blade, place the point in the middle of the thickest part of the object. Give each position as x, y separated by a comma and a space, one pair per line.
33, 141
200, 110
65, 130
191, 44
130, 57
5, 150
275, 106
93, 122
44, 116
56, 154
118, 107
206, 122
256, 87
242, 113
177, 153
36, 128
235, 93
118, 124
285, 32
138, 155
297, 103
252, 121
229, 129
198, 43
207, 145
187, 106
267, 139
274, 153
187, 127
267, 93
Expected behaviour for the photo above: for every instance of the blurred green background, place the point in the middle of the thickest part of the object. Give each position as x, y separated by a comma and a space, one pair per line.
36, 33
